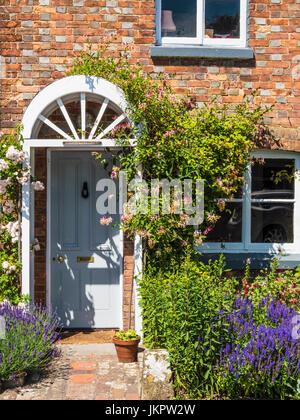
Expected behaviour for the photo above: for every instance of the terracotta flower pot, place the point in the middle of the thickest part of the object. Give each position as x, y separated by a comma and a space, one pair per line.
19, 380
127, 349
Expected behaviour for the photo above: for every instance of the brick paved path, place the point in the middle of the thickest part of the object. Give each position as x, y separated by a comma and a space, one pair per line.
82, 372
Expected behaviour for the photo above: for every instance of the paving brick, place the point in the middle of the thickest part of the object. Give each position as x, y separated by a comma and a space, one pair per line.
83, 366
118, 394
102, 397
82, 379
102, 387
132, 396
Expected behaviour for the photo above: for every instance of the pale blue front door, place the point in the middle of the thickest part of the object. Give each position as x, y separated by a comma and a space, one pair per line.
85, 256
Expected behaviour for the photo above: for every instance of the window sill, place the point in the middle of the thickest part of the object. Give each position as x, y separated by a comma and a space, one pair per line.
238, 261
177, 50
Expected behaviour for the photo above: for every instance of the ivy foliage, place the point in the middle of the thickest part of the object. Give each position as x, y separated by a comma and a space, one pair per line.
176, 139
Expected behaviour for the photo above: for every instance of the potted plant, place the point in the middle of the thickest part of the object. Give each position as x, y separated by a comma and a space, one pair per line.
126, 343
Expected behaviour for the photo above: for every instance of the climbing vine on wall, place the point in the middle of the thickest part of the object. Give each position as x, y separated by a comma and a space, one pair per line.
14, 173
176, 139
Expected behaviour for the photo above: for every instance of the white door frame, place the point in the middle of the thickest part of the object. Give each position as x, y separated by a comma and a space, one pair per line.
34, 115
28, 228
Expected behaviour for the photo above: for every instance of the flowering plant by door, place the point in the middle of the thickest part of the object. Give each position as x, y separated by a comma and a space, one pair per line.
14, 173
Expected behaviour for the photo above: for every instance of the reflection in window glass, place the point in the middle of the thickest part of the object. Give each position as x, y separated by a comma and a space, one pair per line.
179, 18
272, 223
273, 179
222, 18
229, 227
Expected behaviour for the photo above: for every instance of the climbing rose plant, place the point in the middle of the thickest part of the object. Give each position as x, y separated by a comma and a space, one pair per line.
14, 173
175, 139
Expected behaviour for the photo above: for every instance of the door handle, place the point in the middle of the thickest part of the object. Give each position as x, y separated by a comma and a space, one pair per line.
60, 259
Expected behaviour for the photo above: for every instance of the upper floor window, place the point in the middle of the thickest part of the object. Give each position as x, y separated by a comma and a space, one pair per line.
203, 22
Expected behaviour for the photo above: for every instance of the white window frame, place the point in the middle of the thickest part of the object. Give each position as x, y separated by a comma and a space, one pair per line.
246, 246
200, 38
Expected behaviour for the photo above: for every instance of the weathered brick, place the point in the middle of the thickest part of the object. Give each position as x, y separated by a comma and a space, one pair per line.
82, 379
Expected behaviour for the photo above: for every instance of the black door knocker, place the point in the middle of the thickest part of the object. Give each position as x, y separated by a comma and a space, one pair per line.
85, 190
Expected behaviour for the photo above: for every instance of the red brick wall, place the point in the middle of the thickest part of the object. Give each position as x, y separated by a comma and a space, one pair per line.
128, 292
40, 231
39, 39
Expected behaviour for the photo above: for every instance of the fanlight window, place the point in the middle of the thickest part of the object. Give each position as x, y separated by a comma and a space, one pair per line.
80, 116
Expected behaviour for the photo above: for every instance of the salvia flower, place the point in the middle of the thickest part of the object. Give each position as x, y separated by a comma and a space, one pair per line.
266, 353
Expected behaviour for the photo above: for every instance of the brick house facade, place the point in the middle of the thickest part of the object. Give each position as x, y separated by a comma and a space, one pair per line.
39, 39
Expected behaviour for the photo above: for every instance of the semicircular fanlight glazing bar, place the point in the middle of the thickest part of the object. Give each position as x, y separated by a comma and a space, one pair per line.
83, 114
67, 118
54, 127
111, 126
99, 118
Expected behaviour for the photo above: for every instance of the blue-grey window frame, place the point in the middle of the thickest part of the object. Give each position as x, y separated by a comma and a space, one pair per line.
158, 22
160, 50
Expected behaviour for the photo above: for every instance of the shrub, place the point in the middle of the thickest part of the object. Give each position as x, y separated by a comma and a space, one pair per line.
179, 303
220, 344
9, 280
14, 172
284, 285
260, 356
29, 340
175, 139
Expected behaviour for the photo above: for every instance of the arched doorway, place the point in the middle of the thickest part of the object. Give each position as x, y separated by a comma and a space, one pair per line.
65, 122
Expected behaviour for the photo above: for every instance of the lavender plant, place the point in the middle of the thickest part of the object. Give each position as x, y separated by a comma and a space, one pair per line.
30, 339
260, 356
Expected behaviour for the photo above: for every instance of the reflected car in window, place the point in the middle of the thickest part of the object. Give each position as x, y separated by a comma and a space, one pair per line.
271, 222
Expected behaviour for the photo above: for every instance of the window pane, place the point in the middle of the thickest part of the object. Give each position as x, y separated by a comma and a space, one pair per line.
229, 227
179, 18
222, 18
273, 179
272, 223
